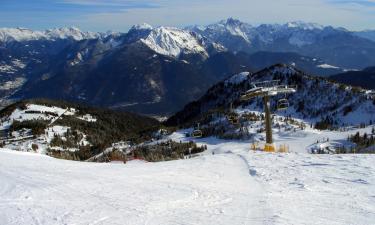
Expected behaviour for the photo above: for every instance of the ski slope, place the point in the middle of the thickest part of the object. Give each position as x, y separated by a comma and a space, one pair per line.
231, 186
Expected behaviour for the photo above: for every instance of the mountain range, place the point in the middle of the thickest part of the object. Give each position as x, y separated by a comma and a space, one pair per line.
336, 46
158, 70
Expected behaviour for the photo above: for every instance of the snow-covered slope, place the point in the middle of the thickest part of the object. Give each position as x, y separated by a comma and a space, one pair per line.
173, 42
23, 34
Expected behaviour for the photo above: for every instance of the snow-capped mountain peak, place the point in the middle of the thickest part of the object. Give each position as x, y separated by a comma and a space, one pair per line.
232, 26
231, 22
173, 42
24, 34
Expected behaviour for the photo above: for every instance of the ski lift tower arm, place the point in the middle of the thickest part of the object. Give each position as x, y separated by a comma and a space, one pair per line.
267, 90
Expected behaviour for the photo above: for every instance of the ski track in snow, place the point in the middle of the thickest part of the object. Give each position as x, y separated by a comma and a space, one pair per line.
313, 189
227, 184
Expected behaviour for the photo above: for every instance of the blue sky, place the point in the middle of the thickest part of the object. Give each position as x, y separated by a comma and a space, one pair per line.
120, 15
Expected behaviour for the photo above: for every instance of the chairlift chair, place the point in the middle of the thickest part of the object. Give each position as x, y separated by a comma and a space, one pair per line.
282, 104
197, 133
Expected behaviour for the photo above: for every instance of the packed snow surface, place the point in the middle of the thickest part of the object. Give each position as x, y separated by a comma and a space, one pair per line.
227, 184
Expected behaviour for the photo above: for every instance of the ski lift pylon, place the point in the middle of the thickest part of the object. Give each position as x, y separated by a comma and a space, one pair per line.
266, 90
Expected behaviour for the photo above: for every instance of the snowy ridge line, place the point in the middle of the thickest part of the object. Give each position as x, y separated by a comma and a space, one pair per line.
297, 33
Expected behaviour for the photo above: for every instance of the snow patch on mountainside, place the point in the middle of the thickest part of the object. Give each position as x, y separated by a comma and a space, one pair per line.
80, 57
12, 84
12, 67
327, 66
